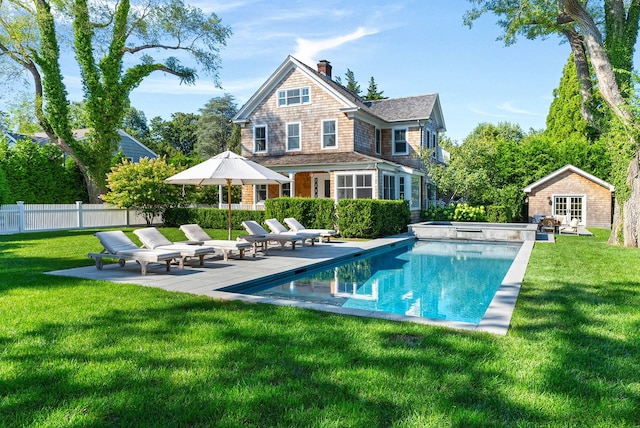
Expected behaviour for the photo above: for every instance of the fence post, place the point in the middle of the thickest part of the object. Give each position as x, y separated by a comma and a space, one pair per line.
20, 216
80, 215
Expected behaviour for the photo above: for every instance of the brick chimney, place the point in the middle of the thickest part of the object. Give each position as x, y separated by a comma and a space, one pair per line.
324, 67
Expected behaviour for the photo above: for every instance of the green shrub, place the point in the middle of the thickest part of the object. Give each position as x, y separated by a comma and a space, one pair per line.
368, 218
210, 218
498, 214
456, 212
313, 213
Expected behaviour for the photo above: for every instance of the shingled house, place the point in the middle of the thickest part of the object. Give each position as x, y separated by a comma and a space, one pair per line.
334, 144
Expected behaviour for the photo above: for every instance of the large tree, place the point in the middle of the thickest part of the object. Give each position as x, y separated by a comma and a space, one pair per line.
105, 36
215, 130
608, 61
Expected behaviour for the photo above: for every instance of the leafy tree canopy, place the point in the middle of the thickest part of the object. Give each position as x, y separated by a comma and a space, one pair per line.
214, 129
142, 186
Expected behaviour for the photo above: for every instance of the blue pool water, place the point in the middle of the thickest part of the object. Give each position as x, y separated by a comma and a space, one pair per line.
443, 280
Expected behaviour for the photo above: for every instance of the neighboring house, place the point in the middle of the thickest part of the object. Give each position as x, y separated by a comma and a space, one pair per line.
572, 192
334, 144
131, 148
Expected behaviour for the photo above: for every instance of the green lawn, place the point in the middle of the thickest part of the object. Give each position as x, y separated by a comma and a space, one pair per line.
80, 353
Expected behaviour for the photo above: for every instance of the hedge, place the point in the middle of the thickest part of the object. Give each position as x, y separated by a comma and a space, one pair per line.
369, 218
313, 213
498, 214
210, 218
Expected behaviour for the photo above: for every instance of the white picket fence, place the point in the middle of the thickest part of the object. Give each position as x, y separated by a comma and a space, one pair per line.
23, 217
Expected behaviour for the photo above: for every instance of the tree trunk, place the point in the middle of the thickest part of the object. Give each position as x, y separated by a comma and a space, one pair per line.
584, 75
626, 221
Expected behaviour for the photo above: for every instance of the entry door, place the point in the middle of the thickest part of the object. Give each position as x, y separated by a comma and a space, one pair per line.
571, 206
321, 186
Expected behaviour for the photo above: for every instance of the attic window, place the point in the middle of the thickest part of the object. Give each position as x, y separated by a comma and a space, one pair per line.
294, 96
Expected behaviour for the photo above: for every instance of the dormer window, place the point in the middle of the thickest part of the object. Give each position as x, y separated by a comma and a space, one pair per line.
289, 97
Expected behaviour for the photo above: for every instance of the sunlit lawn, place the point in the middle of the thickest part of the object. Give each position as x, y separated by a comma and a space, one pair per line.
86, 353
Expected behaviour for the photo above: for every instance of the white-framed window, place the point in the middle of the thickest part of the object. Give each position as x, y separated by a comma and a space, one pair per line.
285, 189
260, 192
388, 187
378, 141
260, 139
294, 96
401, 187
415, 192
329, 134
293, 137
354, 186
400, 143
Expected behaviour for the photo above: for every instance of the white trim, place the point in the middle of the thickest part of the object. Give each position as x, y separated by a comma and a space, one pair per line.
583, 196
353, 174
393, 140
571, 168
335, 134
299, 148
286, 98
266, 138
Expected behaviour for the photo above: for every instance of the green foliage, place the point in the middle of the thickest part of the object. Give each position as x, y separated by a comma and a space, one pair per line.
214, 130
372, 91
38, 174
4, 187
565, 121
456, 212
314, 213
178, 133
494, 163
210, 218
370, 218
142, 186
498, 214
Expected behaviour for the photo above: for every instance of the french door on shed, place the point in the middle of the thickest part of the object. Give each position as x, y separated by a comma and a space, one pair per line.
570, 206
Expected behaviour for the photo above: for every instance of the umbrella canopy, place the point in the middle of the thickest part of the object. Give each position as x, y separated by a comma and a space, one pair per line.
228, 169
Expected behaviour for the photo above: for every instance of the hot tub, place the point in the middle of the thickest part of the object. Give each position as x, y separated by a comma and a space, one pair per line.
475, 231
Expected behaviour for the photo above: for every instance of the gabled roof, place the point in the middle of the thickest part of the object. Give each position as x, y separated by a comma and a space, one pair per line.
14, 137
131, 148
570, 168
389, 110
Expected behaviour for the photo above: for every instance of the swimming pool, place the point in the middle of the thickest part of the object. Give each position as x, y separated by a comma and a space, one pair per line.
438, 280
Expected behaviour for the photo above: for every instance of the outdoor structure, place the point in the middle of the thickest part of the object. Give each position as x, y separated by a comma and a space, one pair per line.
333, 144
132, 149
573, 193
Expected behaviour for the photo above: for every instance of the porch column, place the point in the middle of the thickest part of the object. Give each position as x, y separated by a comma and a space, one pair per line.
292, 187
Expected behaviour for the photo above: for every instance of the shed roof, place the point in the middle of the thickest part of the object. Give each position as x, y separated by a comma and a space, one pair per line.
564, 169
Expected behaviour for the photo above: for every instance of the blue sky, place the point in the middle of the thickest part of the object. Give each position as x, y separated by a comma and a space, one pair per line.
410, 47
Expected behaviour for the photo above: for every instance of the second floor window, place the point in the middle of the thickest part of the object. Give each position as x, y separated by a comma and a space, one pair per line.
293, 136
400, 144
295, 96
329, 134
260, 139
378, 141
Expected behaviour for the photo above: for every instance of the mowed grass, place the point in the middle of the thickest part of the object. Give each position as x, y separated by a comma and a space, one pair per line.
80, 353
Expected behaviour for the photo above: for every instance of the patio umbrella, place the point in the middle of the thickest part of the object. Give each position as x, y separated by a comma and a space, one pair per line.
228, 169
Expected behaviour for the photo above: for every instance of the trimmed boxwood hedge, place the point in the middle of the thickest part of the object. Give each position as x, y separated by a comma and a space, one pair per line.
313, 213
210, 218
369, 218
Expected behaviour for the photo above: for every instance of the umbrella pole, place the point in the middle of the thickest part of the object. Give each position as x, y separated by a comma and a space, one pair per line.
229, 205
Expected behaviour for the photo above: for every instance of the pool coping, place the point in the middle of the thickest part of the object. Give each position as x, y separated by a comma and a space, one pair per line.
206, 279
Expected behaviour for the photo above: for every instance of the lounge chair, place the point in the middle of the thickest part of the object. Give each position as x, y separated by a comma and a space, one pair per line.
295, 226
153, 239
196, 234
572, 227
117, 245
256, 231
276, 227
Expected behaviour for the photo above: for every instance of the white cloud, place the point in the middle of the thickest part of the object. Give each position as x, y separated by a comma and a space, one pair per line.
308, 51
